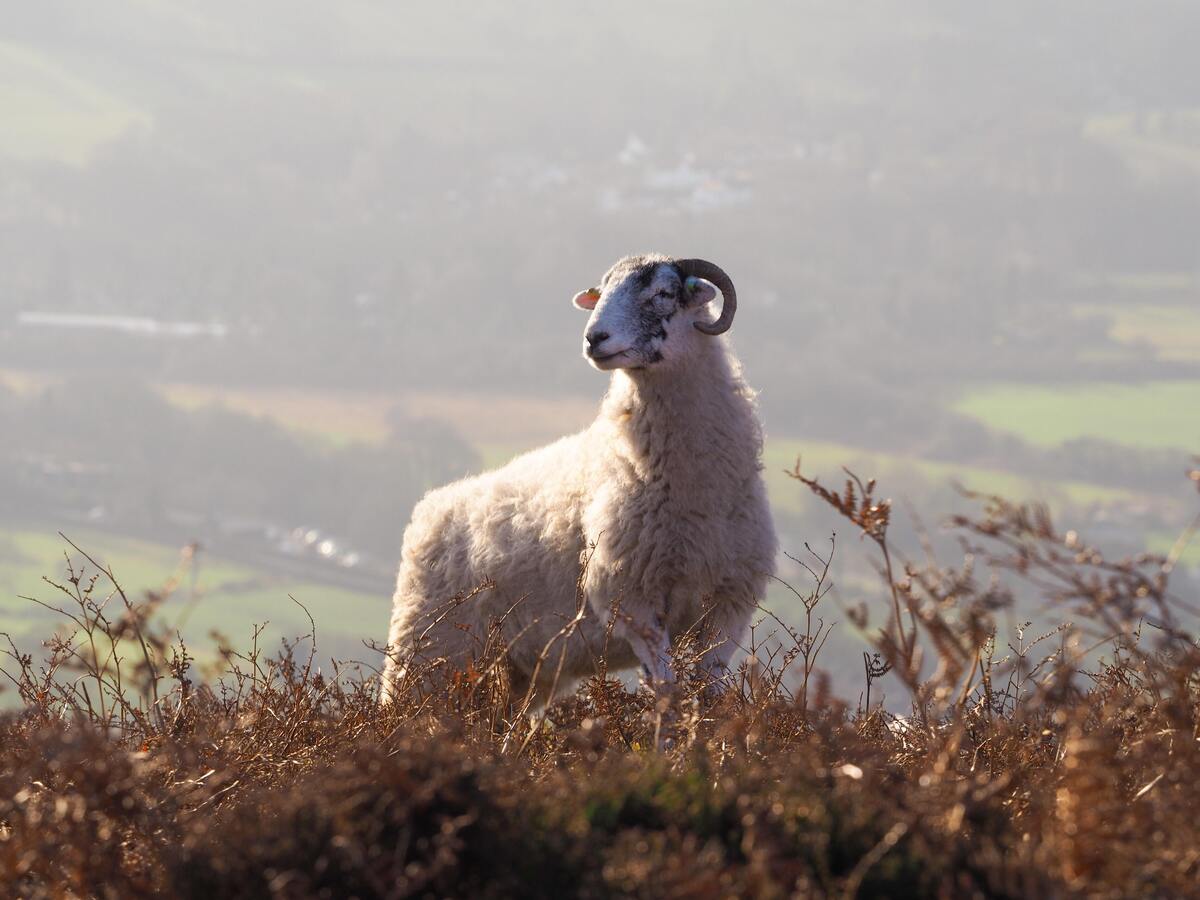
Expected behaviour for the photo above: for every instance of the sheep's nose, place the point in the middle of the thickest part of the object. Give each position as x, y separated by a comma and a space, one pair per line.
595, 338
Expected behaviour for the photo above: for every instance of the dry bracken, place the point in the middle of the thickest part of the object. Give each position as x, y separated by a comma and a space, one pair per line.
1049, 765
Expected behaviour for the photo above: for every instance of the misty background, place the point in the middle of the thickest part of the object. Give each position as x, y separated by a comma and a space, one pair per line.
268, 273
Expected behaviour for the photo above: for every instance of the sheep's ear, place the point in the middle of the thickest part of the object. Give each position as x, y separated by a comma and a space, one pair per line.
587, 299
698, 290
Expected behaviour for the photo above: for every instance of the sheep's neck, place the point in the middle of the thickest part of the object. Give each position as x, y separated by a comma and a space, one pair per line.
687, 421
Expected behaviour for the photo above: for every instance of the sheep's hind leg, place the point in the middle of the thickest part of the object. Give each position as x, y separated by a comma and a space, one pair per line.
718, 676
726, 623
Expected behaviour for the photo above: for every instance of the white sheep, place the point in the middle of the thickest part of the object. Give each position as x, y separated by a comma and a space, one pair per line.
658, 506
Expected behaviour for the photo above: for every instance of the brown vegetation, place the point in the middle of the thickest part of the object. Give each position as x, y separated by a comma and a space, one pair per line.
1062, 766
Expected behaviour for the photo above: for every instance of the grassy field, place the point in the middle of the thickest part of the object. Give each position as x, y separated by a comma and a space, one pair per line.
825, 460
228, 598
1153, 144
1172, 330
52, 112
335, 417
1165, 284
343, 417
1164, 542
1155, 414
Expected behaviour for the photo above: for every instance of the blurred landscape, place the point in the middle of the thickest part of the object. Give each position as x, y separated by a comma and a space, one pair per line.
267, 274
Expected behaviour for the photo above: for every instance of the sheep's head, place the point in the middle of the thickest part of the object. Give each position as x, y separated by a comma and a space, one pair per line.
651, 310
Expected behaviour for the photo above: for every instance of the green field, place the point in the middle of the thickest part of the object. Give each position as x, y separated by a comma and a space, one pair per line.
1172, 330
1156, 414
1153, 144
1164, 542
228, 597
52, 112
825, 461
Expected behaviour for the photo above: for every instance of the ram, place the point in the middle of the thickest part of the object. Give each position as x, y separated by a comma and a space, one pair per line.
656, 512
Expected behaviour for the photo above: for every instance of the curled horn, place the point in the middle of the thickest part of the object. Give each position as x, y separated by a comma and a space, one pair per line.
702, 268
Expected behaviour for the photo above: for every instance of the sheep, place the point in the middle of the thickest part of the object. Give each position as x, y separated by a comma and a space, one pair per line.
654, 519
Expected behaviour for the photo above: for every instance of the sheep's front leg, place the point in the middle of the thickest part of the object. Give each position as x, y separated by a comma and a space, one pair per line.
651, 644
